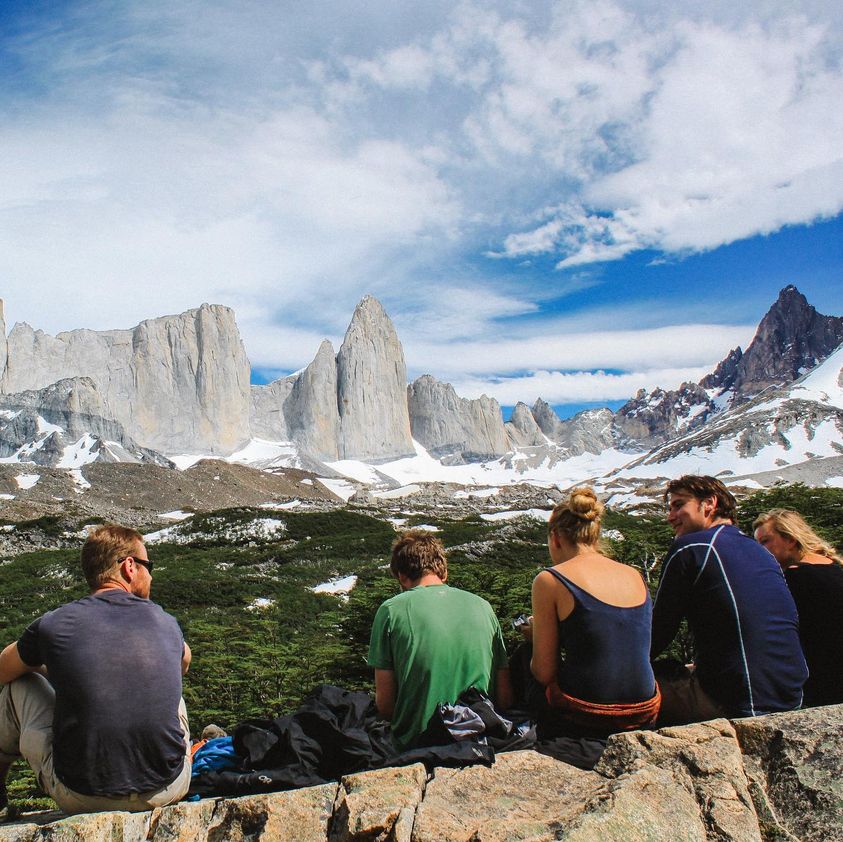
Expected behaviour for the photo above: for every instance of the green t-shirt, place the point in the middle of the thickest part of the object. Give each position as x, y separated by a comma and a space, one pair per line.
438, 641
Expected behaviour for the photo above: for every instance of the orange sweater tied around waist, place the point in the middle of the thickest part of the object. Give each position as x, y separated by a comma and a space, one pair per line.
611, 717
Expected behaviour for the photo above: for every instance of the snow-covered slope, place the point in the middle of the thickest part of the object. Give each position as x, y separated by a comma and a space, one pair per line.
779, 427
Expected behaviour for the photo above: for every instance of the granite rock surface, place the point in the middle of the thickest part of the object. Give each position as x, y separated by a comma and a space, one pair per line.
448, 425
751, 780
176, 383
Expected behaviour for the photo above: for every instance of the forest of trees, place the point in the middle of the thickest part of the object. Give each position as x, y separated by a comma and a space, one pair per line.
262, 639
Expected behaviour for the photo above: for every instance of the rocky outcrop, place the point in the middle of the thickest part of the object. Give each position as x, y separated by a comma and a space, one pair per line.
266, 409
589, 431
352, 406
723, 377
522, 429
176, 383
793, 765
302, 408
751, 780
43, 425
3, 343
548, 421
372, 388
450, 426
649, 420
311, 407
791, 339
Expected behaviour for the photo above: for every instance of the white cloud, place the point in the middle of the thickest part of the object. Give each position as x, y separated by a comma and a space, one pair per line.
576, 387
287, 162
677, 347
733, 133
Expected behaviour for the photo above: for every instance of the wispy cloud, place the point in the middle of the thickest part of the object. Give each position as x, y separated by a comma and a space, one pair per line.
287, 161
576, 387
681, 346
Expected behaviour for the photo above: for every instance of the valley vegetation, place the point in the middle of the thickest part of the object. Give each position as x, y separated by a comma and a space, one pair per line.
262, 639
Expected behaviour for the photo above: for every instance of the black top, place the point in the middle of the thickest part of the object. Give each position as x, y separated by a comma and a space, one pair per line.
607, 649
114, 660
742, 616
818, 592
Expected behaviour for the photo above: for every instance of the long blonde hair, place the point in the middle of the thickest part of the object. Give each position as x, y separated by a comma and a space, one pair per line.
791, 524
578, 518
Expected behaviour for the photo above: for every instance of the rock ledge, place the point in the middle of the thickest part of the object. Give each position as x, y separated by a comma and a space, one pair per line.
772, 778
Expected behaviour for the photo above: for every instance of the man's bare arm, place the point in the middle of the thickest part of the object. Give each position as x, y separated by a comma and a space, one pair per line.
385, 692
503, 690
186, 656
11, 665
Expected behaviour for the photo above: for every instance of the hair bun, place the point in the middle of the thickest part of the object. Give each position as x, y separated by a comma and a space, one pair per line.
584, 504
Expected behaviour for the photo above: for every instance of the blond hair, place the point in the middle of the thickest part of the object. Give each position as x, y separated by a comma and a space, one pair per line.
578, 518
790, 524
105, 548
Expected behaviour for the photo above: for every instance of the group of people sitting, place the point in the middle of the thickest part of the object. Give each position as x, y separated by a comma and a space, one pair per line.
765, 615
108, 730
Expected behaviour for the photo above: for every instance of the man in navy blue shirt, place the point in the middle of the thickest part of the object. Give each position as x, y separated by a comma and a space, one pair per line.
748, 660
92, 695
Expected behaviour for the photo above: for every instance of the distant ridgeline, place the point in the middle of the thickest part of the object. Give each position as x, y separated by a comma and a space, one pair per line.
181, 384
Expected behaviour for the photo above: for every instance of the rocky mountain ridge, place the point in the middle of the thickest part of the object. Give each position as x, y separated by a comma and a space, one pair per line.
179, 384
175, 384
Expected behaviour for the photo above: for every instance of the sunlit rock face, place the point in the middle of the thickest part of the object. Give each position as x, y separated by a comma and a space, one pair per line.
349, 406
372, 388
3, 343
748, 780
448, 425
176, 383
522, 429
311, 407
67, 423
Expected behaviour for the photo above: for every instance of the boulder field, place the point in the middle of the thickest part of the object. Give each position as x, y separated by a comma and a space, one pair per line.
773, 778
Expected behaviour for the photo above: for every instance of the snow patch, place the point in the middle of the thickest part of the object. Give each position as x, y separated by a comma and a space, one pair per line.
478, 493
291, 504
341, 487
25, 481
537, 514
338, 587
168, 534
262, 603
82, 485
397, 493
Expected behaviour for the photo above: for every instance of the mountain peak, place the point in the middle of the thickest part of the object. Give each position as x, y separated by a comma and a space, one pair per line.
791, 339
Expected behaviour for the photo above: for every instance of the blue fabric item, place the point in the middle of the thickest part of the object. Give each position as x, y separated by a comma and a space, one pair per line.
742, 616
607, 649
216, 755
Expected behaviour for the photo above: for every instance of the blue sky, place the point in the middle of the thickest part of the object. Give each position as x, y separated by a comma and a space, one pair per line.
561, 199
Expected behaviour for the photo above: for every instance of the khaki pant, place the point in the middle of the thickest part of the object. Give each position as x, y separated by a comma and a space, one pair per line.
26, 730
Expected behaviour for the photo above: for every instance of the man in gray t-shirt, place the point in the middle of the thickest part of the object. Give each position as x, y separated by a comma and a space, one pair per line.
106, 729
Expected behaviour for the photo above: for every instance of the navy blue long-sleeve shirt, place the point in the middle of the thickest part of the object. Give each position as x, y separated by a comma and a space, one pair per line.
742, 616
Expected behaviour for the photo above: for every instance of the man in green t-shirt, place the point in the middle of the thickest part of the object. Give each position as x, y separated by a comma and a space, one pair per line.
432, 641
